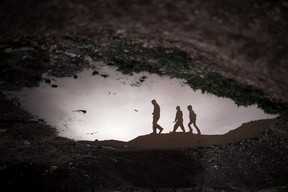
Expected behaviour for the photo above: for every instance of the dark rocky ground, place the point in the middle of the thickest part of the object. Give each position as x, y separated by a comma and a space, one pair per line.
233, 49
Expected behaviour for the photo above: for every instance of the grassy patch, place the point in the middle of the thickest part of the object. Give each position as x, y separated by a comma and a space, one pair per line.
174, 62
136, 58
243, 95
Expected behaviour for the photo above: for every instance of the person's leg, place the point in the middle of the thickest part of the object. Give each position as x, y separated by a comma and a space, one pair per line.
198, 130
154, 128
190, 128
154, 123
160, 128
175, 127
182, 127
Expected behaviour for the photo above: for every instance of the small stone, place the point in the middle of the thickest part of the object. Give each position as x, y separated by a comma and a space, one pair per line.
53, 168
142, 79
104, 75
2, 130
95, 73
48, 81
120, 31
27, 142
8, 50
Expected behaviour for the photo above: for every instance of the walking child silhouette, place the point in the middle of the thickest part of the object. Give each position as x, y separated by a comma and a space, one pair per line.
178, 120
192, 118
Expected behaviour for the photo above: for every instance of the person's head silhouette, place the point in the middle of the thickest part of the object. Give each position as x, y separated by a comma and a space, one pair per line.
189, 107
177, 108
153, 101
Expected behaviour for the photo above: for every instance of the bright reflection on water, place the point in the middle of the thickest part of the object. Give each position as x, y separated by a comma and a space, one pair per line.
119, 106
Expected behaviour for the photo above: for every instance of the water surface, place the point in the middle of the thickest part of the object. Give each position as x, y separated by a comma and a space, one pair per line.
105, 104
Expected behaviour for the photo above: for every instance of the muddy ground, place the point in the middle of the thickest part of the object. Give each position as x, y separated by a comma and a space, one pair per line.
231, 49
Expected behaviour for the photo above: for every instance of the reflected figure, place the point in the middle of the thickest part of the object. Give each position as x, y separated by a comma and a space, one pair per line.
178, 120
156, 117
192, 117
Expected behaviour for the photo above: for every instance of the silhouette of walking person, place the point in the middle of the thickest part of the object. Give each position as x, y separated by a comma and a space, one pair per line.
192, 117
178, 120
156, 117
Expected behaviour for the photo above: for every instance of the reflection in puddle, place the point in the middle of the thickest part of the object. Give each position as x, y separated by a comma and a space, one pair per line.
105, 104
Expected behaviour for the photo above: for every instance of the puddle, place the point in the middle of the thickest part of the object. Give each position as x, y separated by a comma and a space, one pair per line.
105, 104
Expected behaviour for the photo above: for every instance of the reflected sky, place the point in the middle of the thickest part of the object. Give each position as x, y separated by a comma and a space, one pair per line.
119, 106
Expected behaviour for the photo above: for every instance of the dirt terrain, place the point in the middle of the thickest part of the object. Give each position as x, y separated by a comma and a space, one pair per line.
180, 140
227, 48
